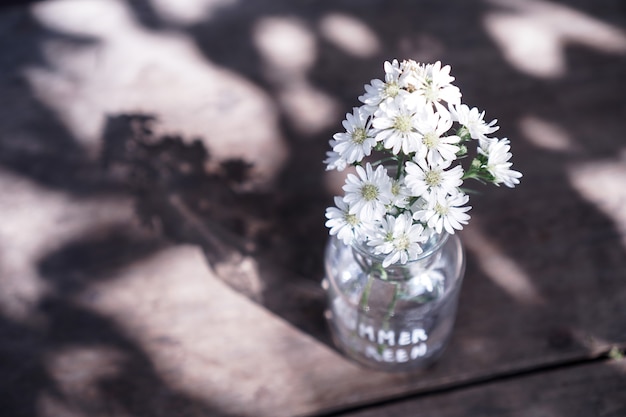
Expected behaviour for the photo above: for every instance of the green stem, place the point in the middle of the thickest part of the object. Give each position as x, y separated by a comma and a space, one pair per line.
479, 175
380, 161
392, 306
400, 170
365, 296
470, 174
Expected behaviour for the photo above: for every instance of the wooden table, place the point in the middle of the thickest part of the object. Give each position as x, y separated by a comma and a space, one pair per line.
162, 197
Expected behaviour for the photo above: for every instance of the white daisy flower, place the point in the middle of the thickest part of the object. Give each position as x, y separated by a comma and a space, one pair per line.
472, 120
396, 122
398, 238
424, 179
392, 70
358, 139
498, 165
412, 74
342, 223
434, 146
445, 212
400, 194
378, 91
334, 160
434, 83
369, 193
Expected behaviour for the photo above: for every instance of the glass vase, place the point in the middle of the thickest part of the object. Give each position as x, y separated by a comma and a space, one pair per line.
397, 318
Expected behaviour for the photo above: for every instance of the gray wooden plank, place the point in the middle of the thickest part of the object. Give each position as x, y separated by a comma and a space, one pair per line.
592, 389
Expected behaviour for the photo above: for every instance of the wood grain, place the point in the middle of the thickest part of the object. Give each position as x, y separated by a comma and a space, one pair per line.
594, 389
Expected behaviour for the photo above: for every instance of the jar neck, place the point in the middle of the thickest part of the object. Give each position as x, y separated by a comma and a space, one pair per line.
371, 263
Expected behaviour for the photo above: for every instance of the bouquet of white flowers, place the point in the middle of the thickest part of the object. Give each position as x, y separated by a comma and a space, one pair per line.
415, 121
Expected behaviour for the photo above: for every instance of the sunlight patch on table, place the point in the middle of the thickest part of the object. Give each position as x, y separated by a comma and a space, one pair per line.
500, 268
124, 68
286, 44
36, 222
603, 183
547, 135
289, 49
212, 343
309, 109
188, 12
533, 35
350, 35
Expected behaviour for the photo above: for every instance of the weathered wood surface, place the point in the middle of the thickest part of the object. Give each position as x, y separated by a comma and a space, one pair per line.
594, 389
162, 197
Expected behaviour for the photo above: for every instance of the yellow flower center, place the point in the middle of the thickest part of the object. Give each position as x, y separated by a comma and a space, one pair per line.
392, 90
351, 219
430, 92
359, 135
441, 210
403, 243
402, 123
395, 188
431, 140
369, 192
433, 178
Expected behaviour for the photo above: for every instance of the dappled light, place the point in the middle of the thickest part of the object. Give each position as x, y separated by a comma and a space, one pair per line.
186, 12
546, 135
534, 35
163, 195
199, 316
191, 96
310, 110
351, 35
34, 212
602, 183
289, 50
502, 270
287, 45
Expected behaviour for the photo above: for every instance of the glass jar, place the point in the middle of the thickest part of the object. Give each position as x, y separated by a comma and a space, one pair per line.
397, 318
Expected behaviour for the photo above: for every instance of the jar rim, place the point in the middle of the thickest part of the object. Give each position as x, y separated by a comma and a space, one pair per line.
439, 241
